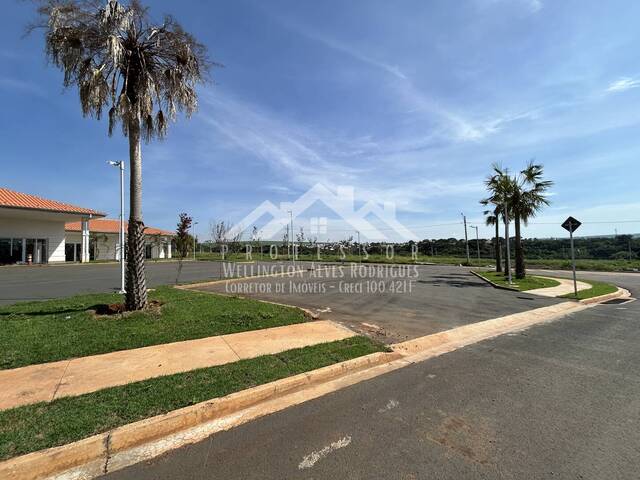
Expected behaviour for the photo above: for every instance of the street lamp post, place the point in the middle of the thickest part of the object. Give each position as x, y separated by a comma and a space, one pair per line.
120, 165
194, 239
477, 241
466, 238
506, 234
291, 240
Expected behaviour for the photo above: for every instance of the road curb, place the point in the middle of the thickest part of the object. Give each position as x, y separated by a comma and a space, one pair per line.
621, 292
95, 452
290, 273
494, 285
129, 444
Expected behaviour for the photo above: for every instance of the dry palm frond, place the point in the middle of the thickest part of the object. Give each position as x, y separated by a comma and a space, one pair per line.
121, 62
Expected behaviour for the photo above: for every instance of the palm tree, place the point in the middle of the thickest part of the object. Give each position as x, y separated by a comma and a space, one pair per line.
144, 73
524, 196
492, 217
528, 198
499, 186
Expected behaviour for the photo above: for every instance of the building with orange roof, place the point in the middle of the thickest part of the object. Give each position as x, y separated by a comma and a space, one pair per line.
36, 230
104, 240
32, 228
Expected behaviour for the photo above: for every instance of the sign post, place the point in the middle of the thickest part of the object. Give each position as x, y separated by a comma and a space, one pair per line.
571, 224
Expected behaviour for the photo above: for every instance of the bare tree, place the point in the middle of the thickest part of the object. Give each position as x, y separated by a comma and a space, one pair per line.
219, 231
143, 72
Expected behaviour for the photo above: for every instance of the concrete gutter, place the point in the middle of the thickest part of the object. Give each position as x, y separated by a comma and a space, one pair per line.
146, 439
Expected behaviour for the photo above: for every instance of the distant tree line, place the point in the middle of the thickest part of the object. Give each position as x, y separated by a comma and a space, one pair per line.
620, 247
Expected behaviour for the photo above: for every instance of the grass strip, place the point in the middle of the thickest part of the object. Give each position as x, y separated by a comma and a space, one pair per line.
530, 282
597, 289
602, 265
43, 425
47, 331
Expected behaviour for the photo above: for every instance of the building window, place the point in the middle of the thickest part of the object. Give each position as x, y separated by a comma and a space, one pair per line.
16, 250
5, 250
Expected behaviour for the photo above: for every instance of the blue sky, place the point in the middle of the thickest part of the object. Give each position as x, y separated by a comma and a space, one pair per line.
409, 102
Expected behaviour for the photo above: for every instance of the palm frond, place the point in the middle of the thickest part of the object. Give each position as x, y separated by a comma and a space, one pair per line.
119, 60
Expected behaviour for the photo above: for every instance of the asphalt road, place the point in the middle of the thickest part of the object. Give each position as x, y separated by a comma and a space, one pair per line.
391, 304
560, 400
42, 282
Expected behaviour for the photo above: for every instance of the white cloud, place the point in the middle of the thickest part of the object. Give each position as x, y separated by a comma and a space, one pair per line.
532, 6
622, 84
23, 86
302, 156
345, 48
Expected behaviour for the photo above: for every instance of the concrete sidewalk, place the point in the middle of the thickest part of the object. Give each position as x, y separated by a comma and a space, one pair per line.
565, 287
48, 381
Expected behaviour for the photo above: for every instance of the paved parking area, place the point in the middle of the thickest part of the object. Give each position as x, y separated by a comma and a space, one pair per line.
43, 282
390, 303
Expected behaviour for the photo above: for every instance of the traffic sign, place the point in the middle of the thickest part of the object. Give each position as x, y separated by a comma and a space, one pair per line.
571, 224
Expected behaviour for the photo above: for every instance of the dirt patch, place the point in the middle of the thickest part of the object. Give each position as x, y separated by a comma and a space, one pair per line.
473, 442
111, 309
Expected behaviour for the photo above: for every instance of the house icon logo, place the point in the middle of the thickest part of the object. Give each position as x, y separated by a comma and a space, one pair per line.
341, 202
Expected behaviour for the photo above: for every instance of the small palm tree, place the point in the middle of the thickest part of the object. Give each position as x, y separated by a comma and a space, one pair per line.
499, 185
492, 218
143, 73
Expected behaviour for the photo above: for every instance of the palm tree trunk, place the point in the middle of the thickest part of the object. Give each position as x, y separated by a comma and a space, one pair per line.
136, 297
520, 270
506, 259
497, 244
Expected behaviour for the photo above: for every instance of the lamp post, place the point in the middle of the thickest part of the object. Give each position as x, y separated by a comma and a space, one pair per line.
477, 241
194, 239
466, 238
291, 241
506, 234
120, 165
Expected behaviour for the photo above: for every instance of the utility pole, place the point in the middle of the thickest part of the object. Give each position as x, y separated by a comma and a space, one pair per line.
120, 164
466, 238
477, 241
360, 259
506, 234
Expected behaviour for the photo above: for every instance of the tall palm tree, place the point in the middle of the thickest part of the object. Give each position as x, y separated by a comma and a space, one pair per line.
528, 197
143, 72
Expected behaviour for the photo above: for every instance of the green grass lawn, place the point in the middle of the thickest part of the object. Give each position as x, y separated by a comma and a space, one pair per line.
530, 282
397, 259
38, 332
43, 425
556, 264
597, 289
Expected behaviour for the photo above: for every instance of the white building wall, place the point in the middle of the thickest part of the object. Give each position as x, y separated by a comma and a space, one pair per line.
108, 244
52, 231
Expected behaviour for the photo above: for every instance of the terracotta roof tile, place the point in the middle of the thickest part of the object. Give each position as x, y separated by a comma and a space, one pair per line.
13, 199
109, 225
